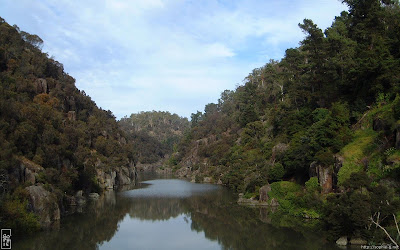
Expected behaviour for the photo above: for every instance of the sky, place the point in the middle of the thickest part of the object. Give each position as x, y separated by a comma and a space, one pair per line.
164, 55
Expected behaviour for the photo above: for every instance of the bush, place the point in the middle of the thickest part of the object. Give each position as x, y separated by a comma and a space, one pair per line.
325, 157
281, 189
276, 172
14, 215
312, 185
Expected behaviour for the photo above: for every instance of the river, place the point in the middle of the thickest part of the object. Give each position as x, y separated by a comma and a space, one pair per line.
173, 214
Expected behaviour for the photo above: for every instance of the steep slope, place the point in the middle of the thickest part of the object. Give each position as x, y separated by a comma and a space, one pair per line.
157, 133
53, 137
324, 119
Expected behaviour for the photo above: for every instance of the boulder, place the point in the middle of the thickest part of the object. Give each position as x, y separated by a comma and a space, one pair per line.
358, 241
94, 196
79, 198
342, 241
219, 182
44, 205
264, 193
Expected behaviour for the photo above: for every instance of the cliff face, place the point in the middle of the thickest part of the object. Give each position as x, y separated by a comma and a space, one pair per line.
53, 137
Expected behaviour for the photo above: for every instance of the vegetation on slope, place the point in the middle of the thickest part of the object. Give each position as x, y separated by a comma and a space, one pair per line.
48, 124
157, 133
329, 106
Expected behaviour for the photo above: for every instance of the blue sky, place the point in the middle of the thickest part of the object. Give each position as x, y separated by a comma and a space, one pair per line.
168, 55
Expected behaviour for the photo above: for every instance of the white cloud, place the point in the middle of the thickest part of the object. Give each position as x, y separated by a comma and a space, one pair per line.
132, 55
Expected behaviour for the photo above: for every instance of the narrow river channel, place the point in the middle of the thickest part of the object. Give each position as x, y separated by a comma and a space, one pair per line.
173, 214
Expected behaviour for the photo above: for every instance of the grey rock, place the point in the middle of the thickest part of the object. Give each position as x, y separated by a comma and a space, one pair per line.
264, 193
342, 241
358, 241
41, 86
94, 196
79, 198
71, 115
44, 205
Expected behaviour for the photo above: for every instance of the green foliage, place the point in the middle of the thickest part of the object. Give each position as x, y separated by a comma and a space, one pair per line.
349, 213
14, 213
157, 132
312, 185
276, 172
317, 104
396, 107
354, 152
325, 157
281, 189
45, 121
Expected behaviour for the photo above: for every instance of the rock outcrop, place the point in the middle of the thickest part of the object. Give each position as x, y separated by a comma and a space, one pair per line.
44, 205
106, 179
71, 115
41, 86
27, 172
125, 176
264, 193
119, 177
342, 241
79, 198
324, 174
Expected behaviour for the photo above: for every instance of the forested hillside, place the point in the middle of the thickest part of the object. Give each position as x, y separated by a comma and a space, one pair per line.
321, 126
54, 140
157, 132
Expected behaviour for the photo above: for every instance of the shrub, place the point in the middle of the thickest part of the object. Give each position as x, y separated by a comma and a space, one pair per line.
14, 214
276, 172
312, 185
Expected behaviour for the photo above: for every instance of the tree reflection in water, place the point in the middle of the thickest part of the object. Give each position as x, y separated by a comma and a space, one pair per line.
212, 211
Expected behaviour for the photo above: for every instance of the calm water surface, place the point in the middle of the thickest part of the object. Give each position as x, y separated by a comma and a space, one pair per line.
172, 214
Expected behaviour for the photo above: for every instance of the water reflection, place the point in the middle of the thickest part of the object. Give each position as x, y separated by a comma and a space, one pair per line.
173, 214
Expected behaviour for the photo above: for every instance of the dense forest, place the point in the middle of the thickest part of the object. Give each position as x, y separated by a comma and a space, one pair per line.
157, 132
320, 127
317, 132
54, 140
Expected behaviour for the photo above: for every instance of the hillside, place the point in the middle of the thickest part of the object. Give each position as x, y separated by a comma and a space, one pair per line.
157, 133
54, 139
319, 130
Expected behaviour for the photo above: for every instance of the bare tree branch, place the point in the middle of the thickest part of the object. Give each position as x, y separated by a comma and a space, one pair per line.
397, 225
386, 232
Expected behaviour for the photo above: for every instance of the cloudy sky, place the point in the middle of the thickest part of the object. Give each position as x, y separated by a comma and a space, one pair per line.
169, 55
